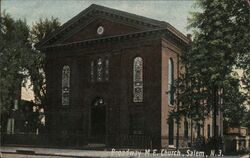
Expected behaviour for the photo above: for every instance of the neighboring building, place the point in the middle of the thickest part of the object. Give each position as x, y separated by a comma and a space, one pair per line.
109, 80
27, 92
13, 122
237, 139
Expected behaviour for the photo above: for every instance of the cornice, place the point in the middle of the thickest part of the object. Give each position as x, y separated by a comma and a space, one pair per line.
94, 14
163, 33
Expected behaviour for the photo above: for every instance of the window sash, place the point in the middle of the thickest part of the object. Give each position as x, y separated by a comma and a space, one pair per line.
138, 80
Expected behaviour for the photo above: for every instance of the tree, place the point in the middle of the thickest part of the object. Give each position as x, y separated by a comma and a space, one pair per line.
14, 58
39, 31
221, 42
246, 120
20, 61
233, 106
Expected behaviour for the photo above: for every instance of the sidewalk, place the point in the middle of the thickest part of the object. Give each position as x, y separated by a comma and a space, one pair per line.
246, 156
57, 152
86, 153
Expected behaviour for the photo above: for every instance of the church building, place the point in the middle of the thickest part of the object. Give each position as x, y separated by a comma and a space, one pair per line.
109, 78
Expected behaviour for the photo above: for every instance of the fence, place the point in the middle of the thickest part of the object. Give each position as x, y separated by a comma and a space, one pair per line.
130, 141
76, 140
46, 140
28, 129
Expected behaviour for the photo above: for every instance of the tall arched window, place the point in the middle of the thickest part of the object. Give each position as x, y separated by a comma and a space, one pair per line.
65, 84
138, 80
99, 69
170, 81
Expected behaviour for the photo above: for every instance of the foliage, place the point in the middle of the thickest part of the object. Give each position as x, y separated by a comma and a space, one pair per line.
19, 60
246, 120
199, 143
39, 31
207, 145
221, 32
43, 28
210, 143
220, 43
14, 59
233, 107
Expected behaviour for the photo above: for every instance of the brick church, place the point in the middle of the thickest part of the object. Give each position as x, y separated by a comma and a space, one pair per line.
109, 75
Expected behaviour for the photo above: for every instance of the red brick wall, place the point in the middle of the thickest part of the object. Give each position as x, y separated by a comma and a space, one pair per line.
169, 50
117, 92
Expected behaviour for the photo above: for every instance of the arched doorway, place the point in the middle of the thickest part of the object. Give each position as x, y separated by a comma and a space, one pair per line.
98, 117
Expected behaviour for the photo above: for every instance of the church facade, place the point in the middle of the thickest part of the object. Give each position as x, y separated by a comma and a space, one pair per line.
109, 75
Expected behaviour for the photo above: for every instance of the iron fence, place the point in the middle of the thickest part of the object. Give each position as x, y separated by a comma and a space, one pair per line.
77, 140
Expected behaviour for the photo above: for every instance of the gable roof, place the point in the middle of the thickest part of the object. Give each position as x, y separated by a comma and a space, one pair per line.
152, 24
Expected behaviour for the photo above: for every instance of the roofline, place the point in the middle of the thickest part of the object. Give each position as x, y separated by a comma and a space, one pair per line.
112, 38
64, 26
160, 24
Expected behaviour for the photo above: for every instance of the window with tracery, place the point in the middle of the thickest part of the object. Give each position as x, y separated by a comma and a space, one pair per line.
65, 84
138, 80
99, 73
170, 82
99, 70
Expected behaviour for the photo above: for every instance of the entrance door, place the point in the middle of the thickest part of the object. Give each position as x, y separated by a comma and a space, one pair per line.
171, 132
98, 117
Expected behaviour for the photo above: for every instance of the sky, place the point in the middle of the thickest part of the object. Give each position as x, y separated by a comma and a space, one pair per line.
174, 12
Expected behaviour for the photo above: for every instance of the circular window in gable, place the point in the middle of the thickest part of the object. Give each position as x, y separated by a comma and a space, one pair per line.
100, 30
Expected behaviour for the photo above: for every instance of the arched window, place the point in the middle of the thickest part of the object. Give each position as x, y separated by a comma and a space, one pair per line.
99, 69
170, 81
138, 80
65, 84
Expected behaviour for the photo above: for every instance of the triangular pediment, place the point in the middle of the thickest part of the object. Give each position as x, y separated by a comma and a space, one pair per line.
85, 24
98, 27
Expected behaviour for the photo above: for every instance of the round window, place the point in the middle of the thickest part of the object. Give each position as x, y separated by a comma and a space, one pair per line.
100, 30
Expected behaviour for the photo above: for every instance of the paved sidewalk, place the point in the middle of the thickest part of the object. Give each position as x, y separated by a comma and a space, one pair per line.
246, 156
57, 152
87, 153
